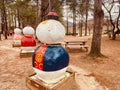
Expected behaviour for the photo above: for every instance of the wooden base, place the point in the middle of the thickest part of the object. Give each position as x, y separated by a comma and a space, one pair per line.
16, 45
26, 54
33, 83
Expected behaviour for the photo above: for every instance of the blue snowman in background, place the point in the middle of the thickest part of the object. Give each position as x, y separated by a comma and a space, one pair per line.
50, 60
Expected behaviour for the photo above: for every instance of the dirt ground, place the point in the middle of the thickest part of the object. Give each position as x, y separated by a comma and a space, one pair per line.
14, 69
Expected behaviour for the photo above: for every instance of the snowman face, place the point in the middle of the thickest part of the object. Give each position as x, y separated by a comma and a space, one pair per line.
17, 31
28, 30
50, 31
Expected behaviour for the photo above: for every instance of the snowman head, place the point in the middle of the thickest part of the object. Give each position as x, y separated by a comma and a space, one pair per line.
50, 31
17, 31
28, 30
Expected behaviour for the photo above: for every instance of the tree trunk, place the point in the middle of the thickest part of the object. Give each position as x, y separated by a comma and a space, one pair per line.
67, 25
117, 25
37, 9
15, 20
0, 36
2, 24
97, 32
111, 21
108, 29
44, 9
86, 24
4, 20
74, 22
51, 5
113, 26
86, 18
18, 16
9, 19
81, 26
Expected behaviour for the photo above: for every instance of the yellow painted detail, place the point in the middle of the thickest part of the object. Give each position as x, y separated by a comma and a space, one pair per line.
44, 22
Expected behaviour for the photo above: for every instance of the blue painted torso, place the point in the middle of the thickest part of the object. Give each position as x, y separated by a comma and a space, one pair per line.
55, 58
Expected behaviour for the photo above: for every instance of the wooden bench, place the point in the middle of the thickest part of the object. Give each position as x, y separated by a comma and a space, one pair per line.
85, 46
26, 53
82, 44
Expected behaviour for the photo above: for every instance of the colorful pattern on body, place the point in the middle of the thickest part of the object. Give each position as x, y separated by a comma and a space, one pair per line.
38, 60
50, 58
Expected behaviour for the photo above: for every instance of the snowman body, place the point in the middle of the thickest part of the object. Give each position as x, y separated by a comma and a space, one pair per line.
50, 60
28, 42
17, 37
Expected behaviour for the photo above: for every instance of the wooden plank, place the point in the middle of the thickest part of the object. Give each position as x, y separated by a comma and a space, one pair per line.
81, 43
64, 84
26, 54
13, 45
84, 46
75, 41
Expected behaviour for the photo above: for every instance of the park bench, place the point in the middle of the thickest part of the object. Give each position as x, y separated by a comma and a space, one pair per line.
81, 43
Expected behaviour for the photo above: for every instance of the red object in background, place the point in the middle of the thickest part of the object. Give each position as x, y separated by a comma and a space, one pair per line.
28, 41
52, 14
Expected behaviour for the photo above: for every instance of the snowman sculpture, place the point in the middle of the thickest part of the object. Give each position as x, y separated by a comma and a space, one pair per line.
50, 59
17, 37
28, 42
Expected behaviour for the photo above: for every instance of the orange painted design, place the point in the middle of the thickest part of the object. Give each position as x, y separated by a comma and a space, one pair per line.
39, 57
44, 22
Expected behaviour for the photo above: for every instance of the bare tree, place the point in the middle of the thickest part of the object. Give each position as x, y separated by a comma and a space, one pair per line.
97, 32
117, 23
73, 5
44, 9
74, 19
113, 22
38, 11
81, 12
50, 5
4, 19
86, 11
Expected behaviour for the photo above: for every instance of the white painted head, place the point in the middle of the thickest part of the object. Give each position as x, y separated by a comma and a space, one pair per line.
17, 31
50, 31
28, 30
